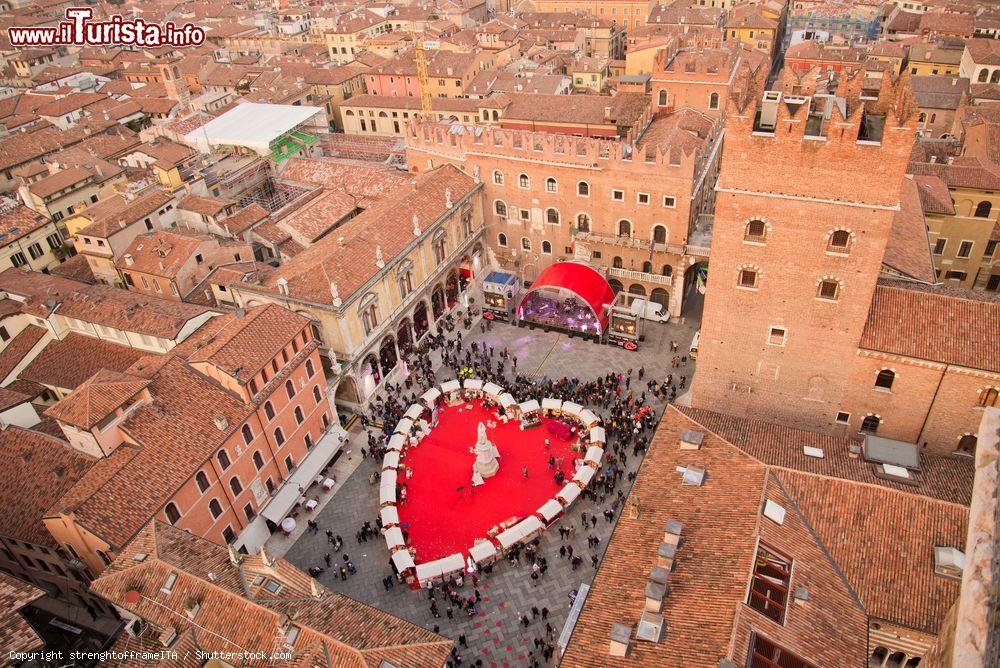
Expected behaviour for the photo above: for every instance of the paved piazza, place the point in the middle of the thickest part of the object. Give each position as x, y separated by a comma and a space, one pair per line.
494, 634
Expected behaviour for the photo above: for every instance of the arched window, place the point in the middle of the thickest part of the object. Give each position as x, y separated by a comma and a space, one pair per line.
647, 267
616, 262
310, 369
885, 378
983, 208
279, 436
247, 434
713, 101
523, 181
583, 222
298, 415
551, 186
546, 247
870, 424
923, 117
624, 228
552, 216
661, 99
368, 311
223, 459
667, 270
756, 230
501, 208
440, 246
502, 240
966, 445
828, 289
258, 461
290, 388
988, 397
984, 76
583, 189
317, 394
995, 77
172, 513
748, 278
526, 243
497, 177
236, 486
215, 508
269, 410
202, 481
839, 241
659, 234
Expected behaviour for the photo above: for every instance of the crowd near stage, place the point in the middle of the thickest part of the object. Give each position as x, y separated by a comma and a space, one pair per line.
568, 296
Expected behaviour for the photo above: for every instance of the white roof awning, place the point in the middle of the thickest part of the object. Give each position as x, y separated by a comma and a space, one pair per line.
386, 495
595, 454
520, 531
389, 516
568, 493
550, 404
251, 125
482, 551
453, 563
414, 412
450, 386
429, 570
507, 400
473, 384
393, 538
402, 560
493, 390
404, 426
396, 442
589, 417
550, 510
391, 460
302, 477
585, 474
430, 396
572, 408
597, 435
529, 406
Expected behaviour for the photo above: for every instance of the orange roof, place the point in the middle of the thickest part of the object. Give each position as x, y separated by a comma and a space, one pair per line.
67, 363
16, 634
96, 398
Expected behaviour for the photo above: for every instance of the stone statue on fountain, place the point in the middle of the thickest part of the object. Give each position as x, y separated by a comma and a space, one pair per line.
487, 463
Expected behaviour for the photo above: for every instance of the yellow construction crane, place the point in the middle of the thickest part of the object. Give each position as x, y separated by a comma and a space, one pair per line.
425, 94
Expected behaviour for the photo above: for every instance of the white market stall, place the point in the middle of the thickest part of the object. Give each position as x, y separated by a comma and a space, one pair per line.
549, 511
483, 552
430, 397
389, 516
569, 493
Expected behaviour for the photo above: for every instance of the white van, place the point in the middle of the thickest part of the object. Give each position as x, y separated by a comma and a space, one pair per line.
644, 308
693, 353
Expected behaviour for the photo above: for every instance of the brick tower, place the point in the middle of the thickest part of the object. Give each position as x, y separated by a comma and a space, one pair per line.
809, 185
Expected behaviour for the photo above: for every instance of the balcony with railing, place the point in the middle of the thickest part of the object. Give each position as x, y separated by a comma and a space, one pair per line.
627, 241
631, 275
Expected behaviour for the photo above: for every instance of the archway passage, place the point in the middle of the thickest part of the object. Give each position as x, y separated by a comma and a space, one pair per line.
437, 302
347, 392
570, 296
404, 338
695, 284
387, 355
452, 288
420, 320
661, 297
371, 375
616, 285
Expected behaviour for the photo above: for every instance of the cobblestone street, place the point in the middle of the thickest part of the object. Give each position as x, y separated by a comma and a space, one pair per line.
494, 634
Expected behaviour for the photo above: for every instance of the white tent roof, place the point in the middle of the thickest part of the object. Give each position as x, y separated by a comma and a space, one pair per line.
594, 454
450, 386
391, 460
452, 563
550, 509
414, 411
572, 408
404, 426
402, 560
493, 390
589, 417
551, 404
507, 400
429, 570
584, 475
393, 537
389, 515
473, 384
251, 125
529, 406
396, 442
386, 495
519, 531
482, 551
597, 435
430, 396
388, 479
569, 493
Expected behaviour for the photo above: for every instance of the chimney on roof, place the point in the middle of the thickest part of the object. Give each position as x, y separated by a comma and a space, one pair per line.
655, 592
691, 439
665, 555
621, 635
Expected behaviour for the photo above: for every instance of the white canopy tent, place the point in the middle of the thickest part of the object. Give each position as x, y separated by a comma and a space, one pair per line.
450, 386
568, 493
402, 560
253, 125
594, 454
389, 515
396, 442
480, 552
393, 538
584, 475
388, 478
520, 531
597, 435
430, 396
494, 390
386, 495
404, 426
302, 477
473, 384
589, 417
550, 510
529, 406
453, 563
414, 412
550, 404
429, 570
507, 400
572, 408
390, 461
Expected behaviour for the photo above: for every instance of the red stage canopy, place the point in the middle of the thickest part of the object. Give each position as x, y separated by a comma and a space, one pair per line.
582, 280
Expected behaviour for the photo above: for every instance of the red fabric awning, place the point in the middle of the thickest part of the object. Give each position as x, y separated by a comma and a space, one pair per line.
582, 280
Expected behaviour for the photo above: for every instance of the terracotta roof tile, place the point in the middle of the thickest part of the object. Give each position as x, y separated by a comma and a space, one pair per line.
67, 363
18, 348
16, 634
96, 398
908, 250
